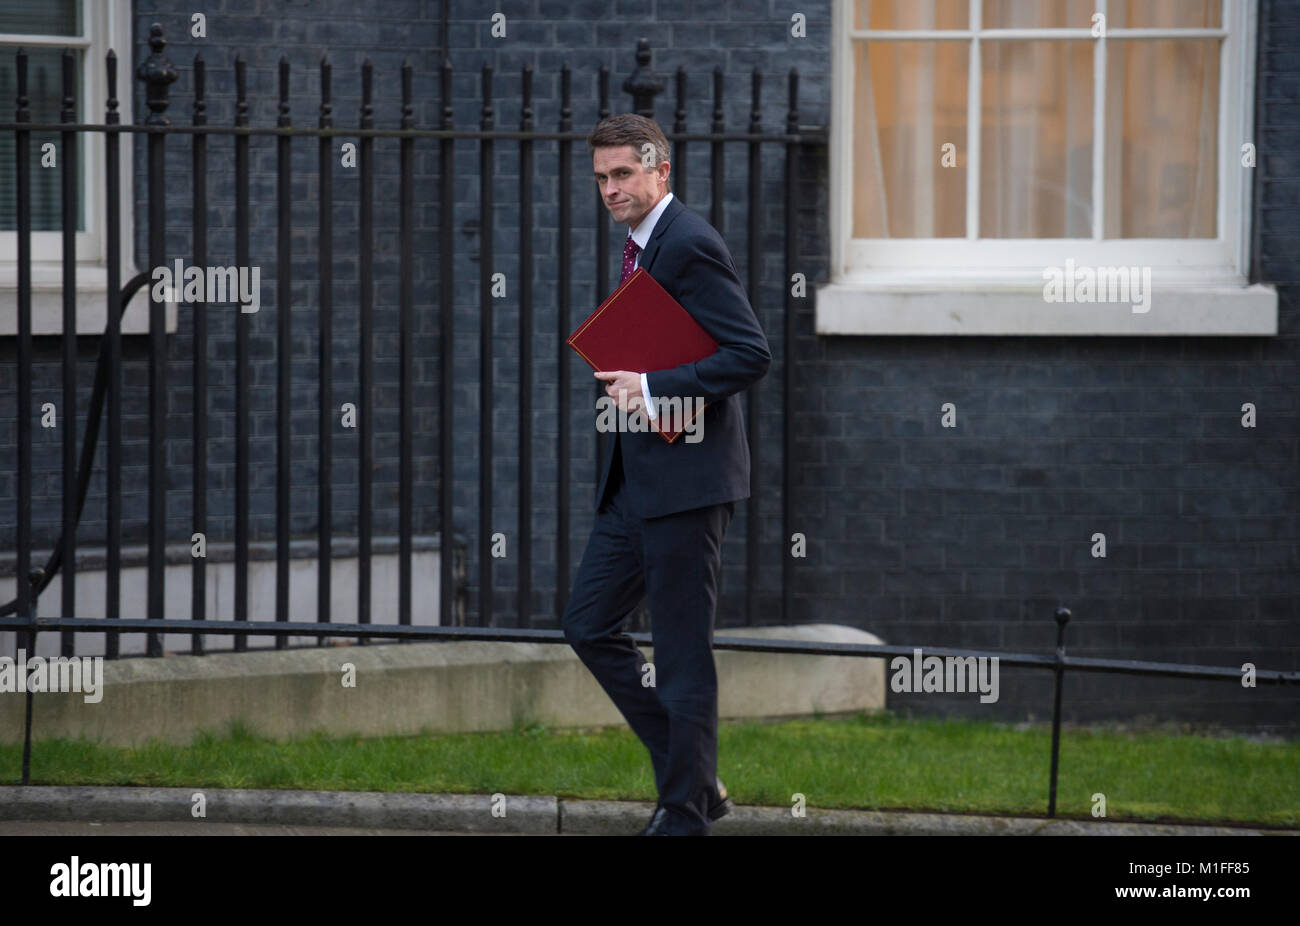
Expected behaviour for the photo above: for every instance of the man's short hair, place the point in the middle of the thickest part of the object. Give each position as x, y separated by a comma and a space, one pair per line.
634, 130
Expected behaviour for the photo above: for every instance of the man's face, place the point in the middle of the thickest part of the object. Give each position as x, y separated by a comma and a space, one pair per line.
628, 189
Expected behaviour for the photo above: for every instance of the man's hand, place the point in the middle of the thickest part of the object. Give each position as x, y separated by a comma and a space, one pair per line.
624, 388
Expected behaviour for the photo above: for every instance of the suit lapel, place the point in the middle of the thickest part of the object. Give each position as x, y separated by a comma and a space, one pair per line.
671, 211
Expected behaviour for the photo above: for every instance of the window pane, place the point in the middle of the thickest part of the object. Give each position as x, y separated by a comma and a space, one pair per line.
909, 101
1162, 104
912, 14
1165, 14
1038, 14
1036, 140
41, 17
45, 90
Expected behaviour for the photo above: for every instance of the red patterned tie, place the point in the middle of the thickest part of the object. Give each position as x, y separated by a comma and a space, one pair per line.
630, 251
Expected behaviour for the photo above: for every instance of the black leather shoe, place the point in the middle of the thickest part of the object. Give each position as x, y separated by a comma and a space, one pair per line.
656, 825
719, 804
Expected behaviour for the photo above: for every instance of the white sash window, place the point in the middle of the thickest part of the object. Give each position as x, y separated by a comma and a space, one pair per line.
983, 149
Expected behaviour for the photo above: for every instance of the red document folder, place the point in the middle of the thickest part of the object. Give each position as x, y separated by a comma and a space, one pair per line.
642, 328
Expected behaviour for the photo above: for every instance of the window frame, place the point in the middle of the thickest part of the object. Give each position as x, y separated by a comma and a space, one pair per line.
105, 24
865, 272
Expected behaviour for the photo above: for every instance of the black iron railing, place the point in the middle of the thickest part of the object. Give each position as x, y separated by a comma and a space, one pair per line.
157, 73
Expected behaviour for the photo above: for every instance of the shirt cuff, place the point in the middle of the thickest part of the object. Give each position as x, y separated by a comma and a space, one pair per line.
645, 393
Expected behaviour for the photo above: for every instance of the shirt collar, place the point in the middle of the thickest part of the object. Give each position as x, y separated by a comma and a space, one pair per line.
641, 235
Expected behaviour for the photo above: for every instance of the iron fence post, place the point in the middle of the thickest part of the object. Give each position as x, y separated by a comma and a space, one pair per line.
563, 311
788, 367
366, 346
406, 322
485, 433
199, 373
23, 217
69, 197
29, 642
1058, 670
111, 352
157, 73
325, 353
284, 351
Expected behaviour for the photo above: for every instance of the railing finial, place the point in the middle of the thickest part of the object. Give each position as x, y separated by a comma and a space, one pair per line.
642, 84
158, 73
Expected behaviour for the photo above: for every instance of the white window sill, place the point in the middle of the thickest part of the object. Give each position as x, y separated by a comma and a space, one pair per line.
92, 301
990, 307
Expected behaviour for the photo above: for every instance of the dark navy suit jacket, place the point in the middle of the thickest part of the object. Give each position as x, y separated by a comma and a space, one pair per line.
689, 259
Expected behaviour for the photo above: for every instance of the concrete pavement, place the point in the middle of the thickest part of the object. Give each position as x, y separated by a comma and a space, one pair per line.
172, 811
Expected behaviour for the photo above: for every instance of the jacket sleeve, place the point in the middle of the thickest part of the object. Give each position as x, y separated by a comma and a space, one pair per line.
708, 288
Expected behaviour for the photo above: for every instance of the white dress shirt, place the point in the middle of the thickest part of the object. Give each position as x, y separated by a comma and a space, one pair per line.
641, 235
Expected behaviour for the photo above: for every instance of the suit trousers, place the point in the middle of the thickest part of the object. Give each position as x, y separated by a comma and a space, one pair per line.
674, 561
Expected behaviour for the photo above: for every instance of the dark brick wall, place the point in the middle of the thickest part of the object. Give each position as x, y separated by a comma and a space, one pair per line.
973, 536
922, 535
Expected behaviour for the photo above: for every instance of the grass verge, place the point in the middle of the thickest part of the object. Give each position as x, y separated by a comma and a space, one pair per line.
879, 761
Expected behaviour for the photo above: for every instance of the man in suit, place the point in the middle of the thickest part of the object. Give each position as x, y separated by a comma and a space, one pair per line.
662, 509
